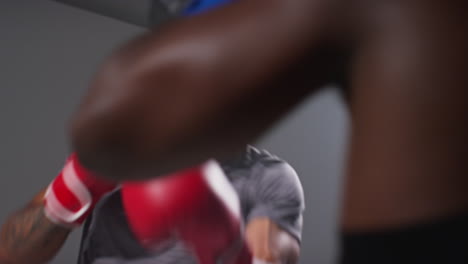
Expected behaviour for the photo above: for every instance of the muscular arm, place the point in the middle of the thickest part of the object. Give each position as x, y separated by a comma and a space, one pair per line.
270, 243
28, 237
202, 87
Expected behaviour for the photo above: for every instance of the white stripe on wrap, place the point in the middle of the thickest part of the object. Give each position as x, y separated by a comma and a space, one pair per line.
74, 184
57, 213
55, 210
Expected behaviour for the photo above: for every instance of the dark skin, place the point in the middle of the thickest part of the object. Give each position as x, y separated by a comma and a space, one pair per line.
407, 160
206, 85
120, 131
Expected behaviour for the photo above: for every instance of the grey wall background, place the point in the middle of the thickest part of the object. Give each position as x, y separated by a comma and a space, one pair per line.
48, 53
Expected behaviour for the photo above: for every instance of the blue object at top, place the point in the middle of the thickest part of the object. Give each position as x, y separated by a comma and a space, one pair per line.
199, 6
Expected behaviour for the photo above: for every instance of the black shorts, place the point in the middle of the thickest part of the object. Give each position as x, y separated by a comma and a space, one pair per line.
441, 242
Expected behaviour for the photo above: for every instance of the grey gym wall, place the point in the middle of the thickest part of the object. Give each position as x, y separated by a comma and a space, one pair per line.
48, 52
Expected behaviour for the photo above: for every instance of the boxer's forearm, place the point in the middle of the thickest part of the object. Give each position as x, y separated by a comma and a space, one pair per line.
28, 237
201, 88
270, 244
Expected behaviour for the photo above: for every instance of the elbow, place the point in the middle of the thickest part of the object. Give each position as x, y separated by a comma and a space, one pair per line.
106, 130
99, 143
97, 131
119, 124
289, 248
292, 254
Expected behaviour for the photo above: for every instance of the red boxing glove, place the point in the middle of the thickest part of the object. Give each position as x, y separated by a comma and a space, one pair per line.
198, 205
73, 194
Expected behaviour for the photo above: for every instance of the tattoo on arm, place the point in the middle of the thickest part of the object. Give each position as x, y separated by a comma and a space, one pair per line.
29, 237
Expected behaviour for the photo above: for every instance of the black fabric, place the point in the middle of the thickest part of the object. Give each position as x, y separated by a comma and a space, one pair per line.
107, 234
441, 242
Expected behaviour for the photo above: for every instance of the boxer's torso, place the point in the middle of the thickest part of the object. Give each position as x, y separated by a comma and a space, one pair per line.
409, 109
107, 238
